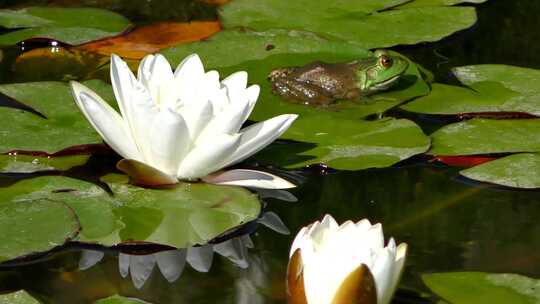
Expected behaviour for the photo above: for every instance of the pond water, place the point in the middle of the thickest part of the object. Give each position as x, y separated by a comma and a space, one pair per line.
450, 223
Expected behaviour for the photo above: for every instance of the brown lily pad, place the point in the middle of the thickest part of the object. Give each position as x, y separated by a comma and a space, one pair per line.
152, 38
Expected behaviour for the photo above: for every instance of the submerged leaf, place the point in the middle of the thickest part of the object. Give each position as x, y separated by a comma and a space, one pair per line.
517, 171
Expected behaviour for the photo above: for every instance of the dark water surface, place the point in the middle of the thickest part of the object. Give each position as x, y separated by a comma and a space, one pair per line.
450, 223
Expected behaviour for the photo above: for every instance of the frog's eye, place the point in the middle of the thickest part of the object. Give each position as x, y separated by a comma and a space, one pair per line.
385, 61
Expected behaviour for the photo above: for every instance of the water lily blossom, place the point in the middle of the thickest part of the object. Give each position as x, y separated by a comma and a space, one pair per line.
182, 125
347, 263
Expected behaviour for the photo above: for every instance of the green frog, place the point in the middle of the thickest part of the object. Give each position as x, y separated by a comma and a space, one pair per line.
320, 83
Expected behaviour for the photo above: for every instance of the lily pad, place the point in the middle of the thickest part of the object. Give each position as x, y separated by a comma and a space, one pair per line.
479, 287
116, 299
486, 136
370, 24
352, 145
34, 226
518, 171
336, 128
186, 215
64, 126
19, 297
68, 25
492, 88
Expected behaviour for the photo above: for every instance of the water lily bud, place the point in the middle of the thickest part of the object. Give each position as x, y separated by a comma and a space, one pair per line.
182, 125
343, 264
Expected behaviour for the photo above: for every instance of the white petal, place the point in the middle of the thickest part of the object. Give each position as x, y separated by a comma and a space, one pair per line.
383, 271
260, 135
189, 67
122, 81
207, 157
236, 85
169, 138
200, 258
155, 73
252, 93
299, 239
227, 122
401, 253
106, 121
249, 178
197, 116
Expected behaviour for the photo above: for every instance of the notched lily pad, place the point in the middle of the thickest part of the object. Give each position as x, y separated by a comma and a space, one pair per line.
370, 24
187, 215
68, 25
517, 171
480, 287
34, 226
64, 125
487, 136
492, 88
339, 136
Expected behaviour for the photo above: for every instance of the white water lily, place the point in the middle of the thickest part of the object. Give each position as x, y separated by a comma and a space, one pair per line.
184, 125
330, 252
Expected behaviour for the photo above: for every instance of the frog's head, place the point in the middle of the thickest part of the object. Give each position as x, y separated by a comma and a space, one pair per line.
380, 73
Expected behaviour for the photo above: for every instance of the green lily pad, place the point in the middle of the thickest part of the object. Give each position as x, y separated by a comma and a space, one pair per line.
336, 128
69, 25
116, 299
518, 171
493, 88
479, 287
423, 3
352, 145
19, 297
65, 125
34, 226
370, 24
30, 164
486, 136
186, 215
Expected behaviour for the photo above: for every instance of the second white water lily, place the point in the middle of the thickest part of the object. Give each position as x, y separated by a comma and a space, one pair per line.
184, 125
342, 264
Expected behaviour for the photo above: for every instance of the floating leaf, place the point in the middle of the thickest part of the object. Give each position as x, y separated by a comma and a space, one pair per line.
33, 226
19, 297
116, 299
28, 163
68, 25
65, 125
370, 24
342, 139
493, 88
518, 171
152, 38
479, 287
58, 63
186, 215
486, 136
